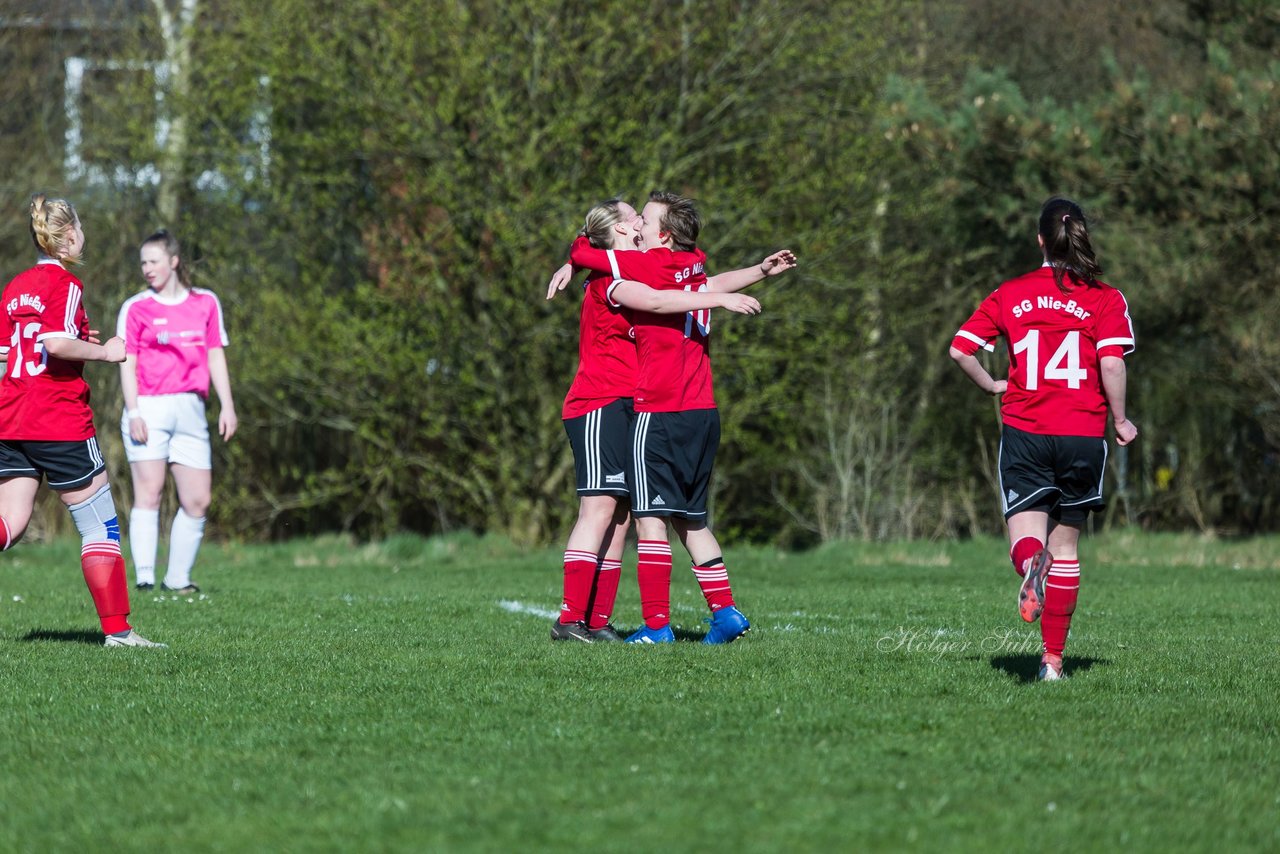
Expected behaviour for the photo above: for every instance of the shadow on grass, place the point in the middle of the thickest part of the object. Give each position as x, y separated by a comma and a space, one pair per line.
1025, 667
682, 635
94, 638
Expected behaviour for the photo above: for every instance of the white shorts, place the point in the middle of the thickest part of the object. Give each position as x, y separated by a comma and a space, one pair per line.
177, 431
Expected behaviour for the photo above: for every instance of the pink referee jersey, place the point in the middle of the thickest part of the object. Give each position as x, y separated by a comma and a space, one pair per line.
172, 340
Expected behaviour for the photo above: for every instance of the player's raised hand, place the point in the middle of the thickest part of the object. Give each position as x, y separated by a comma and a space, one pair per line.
741, 304
558, 281
779, 262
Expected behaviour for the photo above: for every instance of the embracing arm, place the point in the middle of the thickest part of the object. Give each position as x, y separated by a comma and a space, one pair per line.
1115, 381
640, 297
735, 280
974, 371
221, 379
559, 280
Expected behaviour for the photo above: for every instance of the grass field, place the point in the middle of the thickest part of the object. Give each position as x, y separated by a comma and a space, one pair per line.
325, 695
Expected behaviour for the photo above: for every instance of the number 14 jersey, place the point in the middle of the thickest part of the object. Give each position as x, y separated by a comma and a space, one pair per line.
1055, 342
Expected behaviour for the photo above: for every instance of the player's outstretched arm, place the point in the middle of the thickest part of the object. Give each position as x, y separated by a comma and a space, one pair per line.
635, 295
735, 280
1115, 381
559, 280
75, 350
974, 371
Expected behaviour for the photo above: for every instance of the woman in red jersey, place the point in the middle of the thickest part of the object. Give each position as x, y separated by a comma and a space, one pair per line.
46, 426
1067, 334
597, 417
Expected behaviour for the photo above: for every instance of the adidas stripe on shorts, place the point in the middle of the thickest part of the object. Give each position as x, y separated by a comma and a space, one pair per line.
601, 442
672, 455
1060, 475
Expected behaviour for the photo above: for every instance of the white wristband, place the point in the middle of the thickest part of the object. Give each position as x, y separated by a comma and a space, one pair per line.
133, 413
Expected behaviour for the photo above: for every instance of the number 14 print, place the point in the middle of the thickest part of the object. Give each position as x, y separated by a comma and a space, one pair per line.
1064, 364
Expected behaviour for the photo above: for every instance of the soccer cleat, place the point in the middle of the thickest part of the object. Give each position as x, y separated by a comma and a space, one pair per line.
181, 591
1031, 595
647, 635
570, 632
606, 633
1050, 668
144, 585
727, 625
132, 638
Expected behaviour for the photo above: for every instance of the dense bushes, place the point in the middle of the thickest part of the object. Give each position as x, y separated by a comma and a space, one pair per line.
380, 193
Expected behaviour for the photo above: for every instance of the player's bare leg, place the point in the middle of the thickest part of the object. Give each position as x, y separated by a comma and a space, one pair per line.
1028, 534
1062, 589
653, 573
604, 589
195, 488
94, 511
17, 500
727, 622
144, 519
581, 558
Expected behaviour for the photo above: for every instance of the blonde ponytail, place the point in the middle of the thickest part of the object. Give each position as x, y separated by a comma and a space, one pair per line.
52, 221
600, 222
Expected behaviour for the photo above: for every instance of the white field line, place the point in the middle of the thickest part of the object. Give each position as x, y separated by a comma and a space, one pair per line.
532, 610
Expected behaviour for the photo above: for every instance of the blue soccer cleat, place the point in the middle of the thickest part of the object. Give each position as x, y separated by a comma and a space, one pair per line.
647, 635
727, 625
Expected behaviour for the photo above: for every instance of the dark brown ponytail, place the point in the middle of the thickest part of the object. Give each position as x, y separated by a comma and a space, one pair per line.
1066, 244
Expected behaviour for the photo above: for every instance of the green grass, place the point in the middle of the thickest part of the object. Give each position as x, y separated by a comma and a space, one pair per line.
326, 695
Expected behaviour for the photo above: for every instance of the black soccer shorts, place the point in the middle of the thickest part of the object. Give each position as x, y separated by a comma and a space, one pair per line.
672, 455
65, 465
601, 442
1060, 475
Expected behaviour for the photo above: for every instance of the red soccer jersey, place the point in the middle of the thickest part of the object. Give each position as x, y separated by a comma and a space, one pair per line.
606, 352
673, 350
43, 398
1055, 342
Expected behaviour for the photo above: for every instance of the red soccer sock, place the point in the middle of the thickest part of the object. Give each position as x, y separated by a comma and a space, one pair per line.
604, 594
579, 571
713, 578
6, 536
1023, 550
104, 574
653, 572
1061, 589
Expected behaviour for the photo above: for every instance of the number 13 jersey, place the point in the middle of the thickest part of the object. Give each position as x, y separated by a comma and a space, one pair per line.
1056, 342
43, 398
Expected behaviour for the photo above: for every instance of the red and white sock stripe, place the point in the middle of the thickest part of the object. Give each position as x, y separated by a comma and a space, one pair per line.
1067, 573
110, 548
655, 548
608, 565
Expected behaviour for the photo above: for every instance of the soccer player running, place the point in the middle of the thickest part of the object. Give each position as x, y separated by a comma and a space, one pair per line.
46, 426
174, 342
677, 426
1067, 334
597, 418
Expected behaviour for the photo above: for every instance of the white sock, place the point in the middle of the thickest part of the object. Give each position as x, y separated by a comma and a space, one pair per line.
184, 542
144, 531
